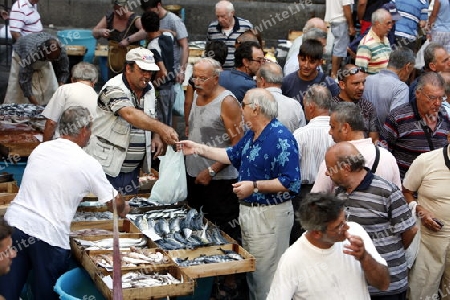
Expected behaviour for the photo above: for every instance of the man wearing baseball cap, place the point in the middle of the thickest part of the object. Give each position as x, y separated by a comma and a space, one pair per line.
126, 129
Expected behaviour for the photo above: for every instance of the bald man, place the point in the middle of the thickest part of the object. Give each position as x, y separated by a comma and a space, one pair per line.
379, 207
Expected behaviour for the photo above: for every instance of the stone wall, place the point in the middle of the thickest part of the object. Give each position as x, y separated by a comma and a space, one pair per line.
274, 18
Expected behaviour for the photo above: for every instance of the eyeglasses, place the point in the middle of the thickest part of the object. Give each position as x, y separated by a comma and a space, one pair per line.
243, 104
341, 226
345, 73
201, 79
260, 60
434, 98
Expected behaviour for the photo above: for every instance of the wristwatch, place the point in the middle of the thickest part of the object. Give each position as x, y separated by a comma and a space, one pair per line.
255, 187
211, 172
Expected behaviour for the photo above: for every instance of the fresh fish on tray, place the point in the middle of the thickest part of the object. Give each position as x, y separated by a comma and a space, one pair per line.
90, 231
209, 259
27, 110
178, 228
92, 216
124, 243
139, 280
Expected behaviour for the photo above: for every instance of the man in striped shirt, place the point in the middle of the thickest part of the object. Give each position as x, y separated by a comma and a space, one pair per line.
413, 12
380, 208
24, 18
374, 49
414, 128
227, 28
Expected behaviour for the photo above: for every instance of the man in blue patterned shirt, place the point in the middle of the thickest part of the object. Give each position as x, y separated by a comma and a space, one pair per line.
269, 176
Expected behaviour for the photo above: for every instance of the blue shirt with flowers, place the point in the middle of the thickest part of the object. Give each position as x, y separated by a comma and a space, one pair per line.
274, 154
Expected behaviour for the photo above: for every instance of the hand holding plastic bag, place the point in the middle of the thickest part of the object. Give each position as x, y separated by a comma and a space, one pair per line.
171, 186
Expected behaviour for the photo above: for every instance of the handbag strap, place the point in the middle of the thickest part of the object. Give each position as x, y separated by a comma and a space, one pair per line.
446, 159
131, 24
377, 159
427, 132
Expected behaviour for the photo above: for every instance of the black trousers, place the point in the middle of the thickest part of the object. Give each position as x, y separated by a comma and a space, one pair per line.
297, 229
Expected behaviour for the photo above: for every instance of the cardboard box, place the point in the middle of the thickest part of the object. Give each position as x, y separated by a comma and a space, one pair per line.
5, 200
9, 187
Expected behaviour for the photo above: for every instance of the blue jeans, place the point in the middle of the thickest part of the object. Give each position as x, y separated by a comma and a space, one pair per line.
126, 183
47, 262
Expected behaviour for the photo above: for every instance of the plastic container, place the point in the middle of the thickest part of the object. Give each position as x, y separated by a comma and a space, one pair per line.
76, 284
81, 37
16, 169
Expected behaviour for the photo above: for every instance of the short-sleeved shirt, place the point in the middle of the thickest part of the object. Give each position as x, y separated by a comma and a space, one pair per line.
236, 82
430, 177
118, 36
67, 95
373, 53
380, 208
162, 49
403, 133
215, 33
173, 23
368, 112
274, 154
294, 87
24, 18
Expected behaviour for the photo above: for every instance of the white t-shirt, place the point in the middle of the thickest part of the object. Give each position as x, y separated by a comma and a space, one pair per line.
308, 272
57, 176
67, 95
334, 11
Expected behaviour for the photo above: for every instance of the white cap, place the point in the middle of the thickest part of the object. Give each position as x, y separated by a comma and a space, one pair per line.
143, 58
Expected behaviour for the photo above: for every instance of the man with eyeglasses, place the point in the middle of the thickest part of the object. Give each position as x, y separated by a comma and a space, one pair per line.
351, 83
248, 58
414, 128
126, 117
380, 208
339, 252
269, 176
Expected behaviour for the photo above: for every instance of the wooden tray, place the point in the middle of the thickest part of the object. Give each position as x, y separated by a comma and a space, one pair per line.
88, 262
5, 200
156, 292
125, 226
207, 270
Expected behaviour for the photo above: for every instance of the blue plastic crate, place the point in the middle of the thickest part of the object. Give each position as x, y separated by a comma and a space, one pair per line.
79, 37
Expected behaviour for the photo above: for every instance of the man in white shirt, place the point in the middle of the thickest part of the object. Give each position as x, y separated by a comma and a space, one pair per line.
313, 141
290, 112
333, 259
78, 93
57, 177
346, 124
24, 18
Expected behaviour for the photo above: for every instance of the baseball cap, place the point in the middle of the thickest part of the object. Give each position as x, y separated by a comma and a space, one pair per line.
143, 58
392, 8
120, 2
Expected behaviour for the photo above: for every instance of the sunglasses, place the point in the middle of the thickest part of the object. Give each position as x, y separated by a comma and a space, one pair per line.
342, 74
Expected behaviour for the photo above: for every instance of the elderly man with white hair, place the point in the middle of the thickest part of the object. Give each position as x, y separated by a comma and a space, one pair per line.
227, 28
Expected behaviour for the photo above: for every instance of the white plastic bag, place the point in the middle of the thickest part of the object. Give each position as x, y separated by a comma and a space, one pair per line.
178, 105
171, 186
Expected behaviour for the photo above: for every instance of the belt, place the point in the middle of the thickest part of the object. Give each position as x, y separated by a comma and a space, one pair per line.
256, 204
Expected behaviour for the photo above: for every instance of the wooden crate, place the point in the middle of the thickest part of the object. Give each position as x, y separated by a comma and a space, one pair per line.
207, 270
293, 34
156, 292
5, 200
77, 250
125, 226
8, 187
87, 261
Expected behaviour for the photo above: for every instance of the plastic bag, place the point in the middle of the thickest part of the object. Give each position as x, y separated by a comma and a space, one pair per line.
171, 186
178, 105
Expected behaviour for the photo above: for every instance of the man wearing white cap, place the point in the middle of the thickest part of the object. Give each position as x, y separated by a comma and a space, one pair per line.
126, 116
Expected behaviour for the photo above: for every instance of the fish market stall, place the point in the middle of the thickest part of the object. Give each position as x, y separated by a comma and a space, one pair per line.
167, 247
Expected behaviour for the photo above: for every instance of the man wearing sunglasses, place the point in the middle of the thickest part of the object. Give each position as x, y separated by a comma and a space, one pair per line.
380, 208
351, 83
338, 252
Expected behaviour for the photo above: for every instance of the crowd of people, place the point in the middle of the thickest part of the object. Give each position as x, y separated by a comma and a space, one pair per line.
325, 177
